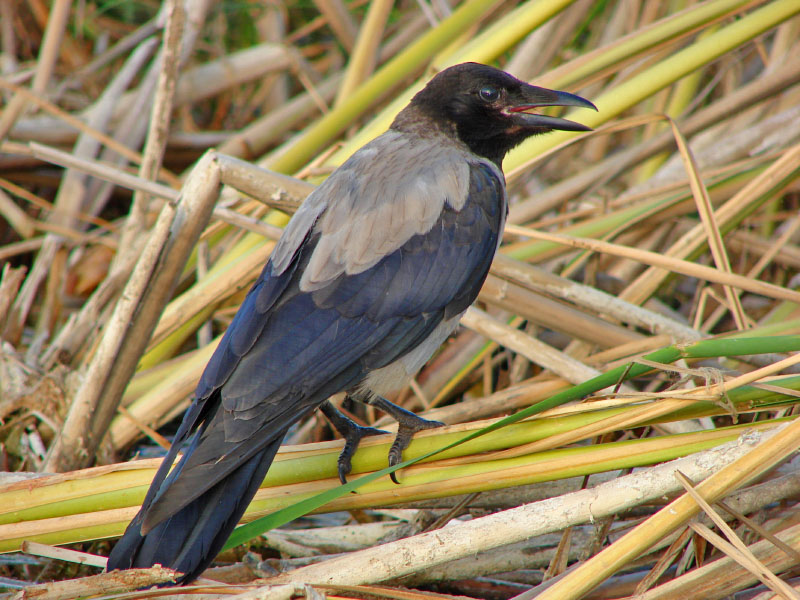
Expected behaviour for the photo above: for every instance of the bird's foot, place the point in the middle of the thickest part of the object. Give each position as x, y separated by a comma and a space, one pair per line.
352, 433
409, 424
352, 439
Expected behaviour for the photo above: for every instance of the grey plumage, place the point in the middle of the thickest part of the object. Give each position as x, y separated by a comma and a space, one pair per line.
370, 276
365, 213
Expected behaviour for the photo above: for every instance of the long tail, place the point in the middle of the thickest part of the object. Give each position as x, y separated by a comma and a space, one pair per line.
189, 540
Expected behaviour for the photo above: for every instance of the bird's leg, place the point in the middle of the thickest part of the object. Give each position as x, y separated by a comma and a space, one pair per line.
408, 425
352, 433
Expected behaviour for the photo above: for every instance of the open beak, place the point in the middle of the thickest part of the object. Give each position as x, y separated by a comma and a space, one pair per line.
535, 97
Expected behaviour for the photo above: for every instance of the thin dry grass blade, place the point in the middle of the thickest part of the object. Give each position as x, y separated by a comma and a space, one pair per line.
706, 212
720, 578
745, 468
734, 548
665, 262
48, 53
547, 356
771, 181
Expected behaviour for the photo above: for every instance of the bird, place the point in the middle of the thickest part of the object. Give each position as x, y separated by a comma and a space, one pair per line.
370, 276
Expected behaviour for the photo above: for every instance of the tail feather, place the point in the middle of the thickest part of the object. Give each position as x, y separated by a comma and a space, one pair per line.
189, 540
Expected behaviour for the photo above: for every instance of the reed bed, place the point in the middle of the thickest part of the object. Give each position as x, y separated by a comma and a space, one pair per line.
621, 401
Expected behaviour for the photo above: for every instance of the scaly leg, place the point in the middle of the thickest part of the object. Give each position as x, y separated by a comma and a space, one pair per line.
352, 433
409, 424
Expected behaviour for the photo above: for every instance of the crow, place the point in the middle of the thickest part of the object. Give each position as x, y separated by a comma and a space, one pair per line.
370, 276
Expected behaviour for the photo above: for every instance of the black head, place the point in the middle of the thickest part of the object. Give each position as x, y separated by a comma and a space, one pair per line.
487, 109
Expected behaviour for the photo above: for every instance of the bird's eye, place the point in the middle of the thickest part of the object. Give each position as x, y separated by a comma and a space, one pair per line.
489, 94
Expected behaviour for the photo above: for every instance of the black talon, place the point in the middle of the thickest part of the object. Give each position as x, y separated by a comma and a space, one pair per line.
352, 433
409, 424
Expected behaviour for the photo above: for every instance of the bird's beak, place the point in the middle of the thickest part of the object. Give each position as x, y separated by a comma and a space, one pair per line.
533, 97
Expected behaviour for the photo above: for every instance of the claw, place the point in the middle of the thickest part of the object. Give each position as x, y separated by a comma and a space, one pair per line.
352, 432
409, 424
405, 433
352, 439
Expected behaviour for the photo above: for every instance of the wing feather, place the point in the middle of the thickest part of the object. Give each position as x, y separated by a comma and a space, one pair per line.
414, 179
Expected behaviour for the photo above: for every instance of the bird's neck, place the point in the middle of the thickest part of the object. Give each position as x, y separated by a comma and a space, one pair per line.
414, 121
